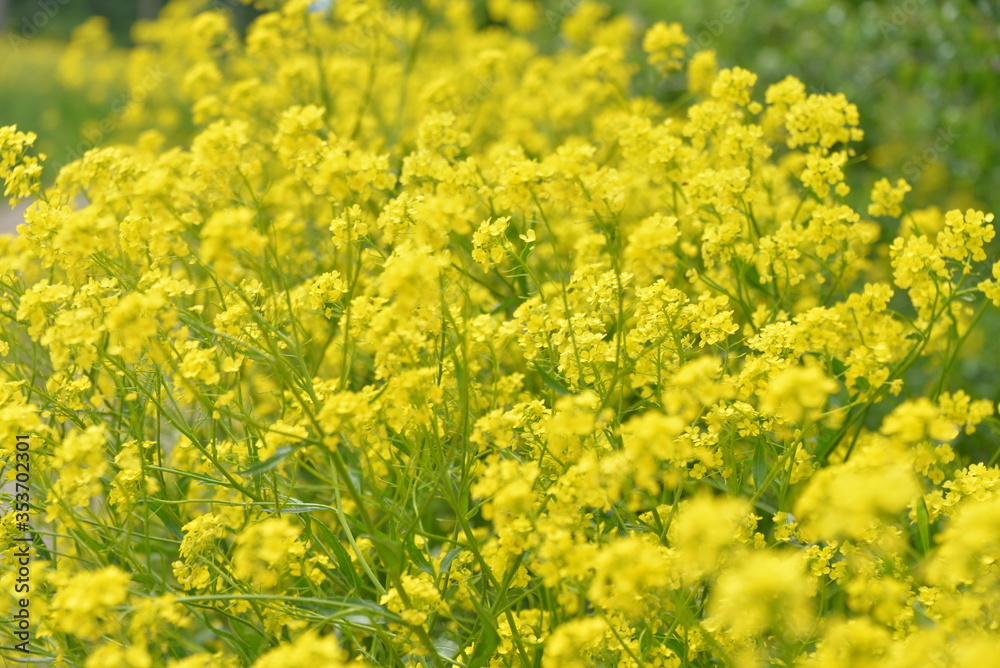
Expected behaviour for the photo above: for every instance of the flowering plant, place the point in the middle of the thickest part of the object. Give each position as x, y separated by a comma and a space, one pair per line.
434, 348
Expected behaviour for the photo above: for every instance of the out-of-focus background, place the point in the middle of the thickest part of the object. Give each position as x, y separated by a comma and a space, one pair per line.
925, 74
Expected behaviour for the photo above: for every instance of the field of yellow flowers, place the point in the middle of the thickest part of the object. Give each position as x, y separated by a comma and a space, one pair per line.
436, 347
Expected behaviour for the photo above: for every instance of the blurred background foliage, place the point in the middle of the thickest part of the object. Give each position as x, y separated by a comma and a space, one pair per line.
924, 74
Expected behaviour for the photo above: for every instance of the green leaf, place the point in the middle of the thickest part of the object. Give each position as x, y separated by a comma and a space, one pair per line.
344, 561
251, 638
169, 524
391, 550
488, 641
553, 382
418, 556
446, 647
280, 455
759, 463
923, 527
303, 508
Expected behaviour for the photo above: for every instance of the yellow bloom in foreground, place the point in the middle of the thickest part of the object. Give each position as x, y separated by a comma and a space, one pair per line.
267, 550
798, 393
764, 591
116, 656
857, 642
850, 498
574, 644
629, 590
970, 548
309, 649
204, 660
705, 530
915, 421
84, 605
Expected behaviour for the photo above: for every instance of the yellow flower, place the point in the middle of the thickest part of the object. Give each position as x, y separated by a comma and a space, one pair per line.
422, 599
967, 554
551, 324
85, 604
702, 70
265, 552
488, 242
638, 588
309, 649
886, 198
797, 394
705, 531
664, 43
850, 498
764, 592
21, 173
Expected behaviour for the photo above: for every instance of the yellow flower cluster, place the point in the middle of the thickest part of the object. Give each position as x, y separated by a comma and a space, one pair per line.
20, 172
403, 341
